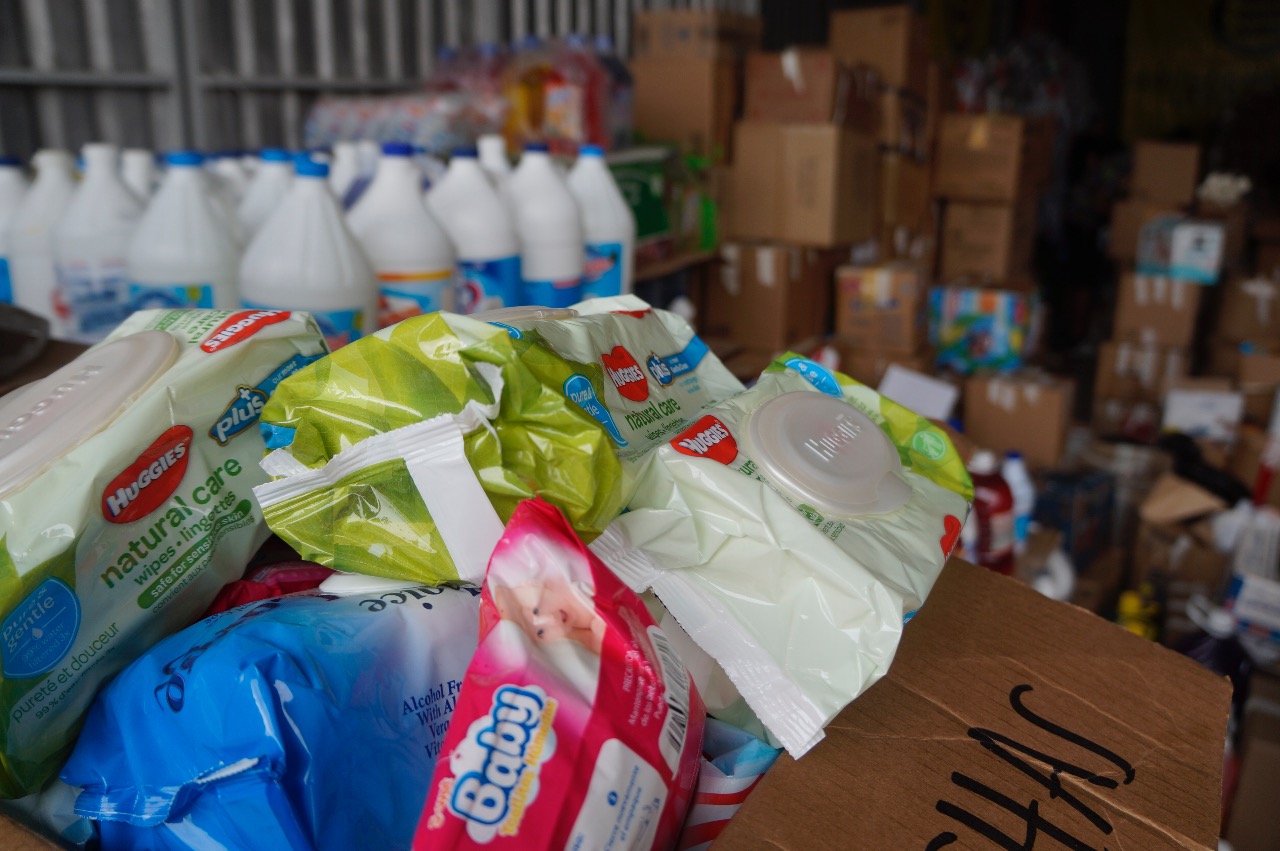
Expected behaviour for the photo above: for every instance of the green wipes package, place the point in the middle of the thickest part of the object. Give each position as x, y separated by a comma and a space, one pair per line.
125, 504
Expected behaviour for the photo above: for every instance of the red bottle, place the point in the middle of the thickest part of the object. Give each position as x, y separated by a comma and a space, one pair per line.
993, 511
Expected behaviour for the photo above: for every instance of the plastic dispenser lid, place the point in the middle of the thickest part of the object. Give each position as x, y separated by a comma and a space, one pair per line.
47, 419
827, 453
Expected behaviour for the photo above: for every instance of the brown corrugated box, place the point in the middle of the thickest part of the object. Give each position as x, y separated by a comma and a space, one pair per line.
904, 124
1027, 412
1138, 371
1251, 825
694, 34
904, 192
1127, 218
1156, 310
809, 184
882, 307
700, 120
776, 294
810, 86
1166, 173
892, 39
990, 242
1246, 458
1249, 311
869, 365
992, 687
1258, 378
992, 157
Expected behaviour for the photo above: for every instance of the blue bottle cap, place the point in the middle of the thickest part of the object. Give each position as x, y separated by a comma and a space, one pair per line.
397, 149
304, 166
10, 161
275, 155
465, 153
591, 151
536, 147
184, 159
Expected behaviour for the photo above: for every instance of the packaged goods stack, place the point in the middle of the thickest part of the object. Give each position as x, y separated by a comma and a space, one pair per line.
1163, 183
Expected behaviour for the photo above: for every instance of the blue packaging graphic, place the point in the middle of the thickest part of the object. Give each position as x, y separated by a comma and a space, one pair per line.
602, 275
488, 284
564, 293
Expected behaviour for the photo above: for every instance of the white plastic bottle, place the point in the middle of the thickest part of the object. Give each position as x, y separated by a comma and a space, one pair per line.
493, 159
270, 183
608, 224
13, 188
467, 206
411, 254
30, 234
138, 170
343, 168
182, 254
549, 228
90, 246
1015, 474
305, 258
227, 166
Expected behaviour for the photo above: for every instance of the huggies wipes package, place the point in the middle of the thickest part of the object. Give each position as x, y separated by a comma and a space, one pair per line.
125, 505
578, 725
303, 722
790, 531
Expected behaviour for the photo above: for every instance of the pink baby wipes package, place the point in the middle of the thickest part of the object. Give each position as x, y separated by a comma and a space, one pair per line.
578, 725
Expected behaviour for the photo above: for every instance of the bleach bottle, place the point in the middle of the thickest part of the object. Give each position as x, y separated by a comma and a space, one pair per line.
90, 246
305, 258
343, 168
138, 171
493, 159
270, 182
182, 254
30, 234
467, 206
410, 253
549, 228
608, 223
13, 188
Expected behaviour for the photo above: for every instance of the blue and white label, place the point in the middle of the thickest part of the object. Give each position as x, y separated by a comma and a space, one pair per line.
552, 293
1021, 528
488, 284
686, 360
40, 630
659, 370
602, 275
402, 296
6, 283
170, 296
578, 389
246, 407
512, 331
95, 300
816, 374
339, 327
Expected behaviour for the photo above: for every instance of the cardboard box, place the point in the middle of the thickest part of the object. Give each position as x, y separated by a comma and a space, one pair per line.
1212, 414
981, 328
777, 294
1235, 227
904, 192
1078, 503
1134, 419
1182, 248
904, 124
642, 175
700, 120
1137, 371
1251, 825
869, 365
694, 34
809, 184
1258, 377
882, 307
992, 157
1249, 311
1127, 218
928, 758
1027, 412
1165, 173
1099, 584
1268, 260
892, 39
810, 86
992, 242
1156, 311
1246, 458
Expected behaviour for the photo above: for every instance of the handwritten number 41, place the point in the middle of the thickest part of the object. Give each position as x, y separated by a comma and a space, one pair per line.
1008, 749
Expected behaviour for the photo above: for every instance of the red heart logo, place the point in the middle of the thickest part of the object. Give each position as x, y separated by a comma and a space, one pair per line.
951, 526
626, 375
707, 438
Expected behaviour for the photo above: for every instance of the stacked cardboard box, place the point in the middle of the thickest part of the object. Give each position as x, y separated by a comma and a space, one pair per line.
881, 318
1163, 183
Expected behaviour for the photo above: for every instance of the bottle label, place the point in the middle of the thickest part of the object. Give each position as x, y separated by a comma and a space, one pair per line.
603, 273
6, 284
488, 284
1000, 532
170, 296
339, 327
1021, 529
552, 293
563, 112
93, 301
402, 295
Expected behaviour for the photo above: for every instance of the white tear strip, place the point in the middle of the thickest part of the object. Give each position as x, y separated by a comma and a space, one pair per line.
1263, 293
1031, 392
791, 68
1124, 359
1160, 289
731, 270
1141, 289
1178, 293
765, 267
882, 285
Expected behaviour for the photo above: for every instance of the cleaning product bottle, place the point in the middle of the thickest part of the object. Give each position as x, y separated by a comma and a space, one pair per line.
467, 206
13, 188
524, 83
30, 235
182, 254
138, 171
272, 180
411, 254
226, 164
549, 228
574, 98
90, 246
368, 153
493, 159
619, 120
344, 168
607, 223
305, 258
993, 507
1023, 489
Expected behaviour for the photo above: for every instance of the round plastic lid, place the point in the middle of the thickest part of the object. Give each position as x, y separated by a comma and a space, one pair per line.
47, 419
397, 149
304, 166
827, 453
536, 148
590, 151
275, 155
465, 153
184, 159
10, 161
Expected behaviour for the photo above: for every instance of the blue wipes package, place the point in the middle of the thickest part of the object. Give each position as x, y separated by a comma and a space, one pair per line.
304, 722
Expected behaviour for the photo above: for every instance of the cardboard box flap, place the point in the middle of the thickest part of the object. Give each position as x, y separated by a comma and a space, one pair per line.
1176, 500
996, 696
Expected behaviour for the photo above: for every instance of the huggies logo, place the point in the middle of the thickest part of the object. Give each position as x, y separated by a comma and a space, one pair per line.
626, 375
495, 767
149, 481
240, 326
707, 438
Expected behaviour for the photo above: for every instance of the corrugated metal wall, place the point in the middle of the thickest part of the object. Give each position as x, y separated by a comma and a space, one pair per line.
220, 74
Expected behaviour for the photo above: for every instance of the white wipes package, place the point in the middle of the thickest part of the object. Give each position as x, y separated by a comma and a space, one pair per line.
125, 504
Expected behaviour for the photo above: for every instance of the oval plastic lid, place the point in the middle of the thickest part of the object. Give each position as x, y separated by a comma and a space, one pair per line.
827, 453
48, 418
